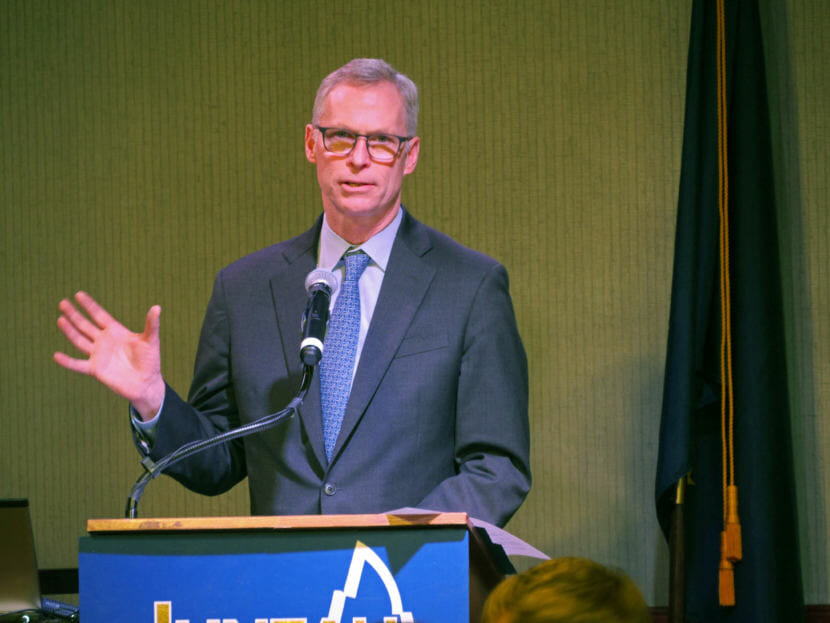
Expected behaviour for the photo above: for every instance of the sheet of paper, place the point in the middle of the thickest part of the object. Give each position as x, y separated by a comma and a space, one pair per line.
511, 544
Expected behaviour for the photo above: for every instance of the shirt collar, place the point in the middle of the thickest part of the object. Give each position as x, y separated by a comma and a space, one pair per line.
378, 247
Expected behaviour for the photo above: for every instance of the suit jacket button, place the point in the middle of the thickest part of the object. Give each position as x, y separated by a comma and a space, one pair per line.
329, 489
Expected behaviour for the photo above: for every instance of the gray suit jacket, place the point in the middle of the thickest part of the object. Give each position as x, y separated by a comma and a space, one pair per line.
437, 417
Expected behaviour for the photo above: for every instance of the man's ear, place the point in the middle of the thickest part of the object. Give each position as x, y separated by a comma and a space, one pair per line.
309, 144
413, 148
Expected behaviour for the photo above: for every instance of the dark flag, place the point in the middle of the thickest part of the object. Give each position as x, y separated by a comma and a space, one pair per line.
725, 420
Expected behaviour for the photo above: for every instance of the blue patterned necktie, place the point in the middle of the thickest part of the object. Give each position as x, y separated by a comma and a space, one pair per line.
340, 348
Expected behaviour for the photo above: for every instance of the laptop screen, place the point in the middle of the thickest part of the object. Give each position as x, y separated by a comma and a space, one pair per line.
19, 585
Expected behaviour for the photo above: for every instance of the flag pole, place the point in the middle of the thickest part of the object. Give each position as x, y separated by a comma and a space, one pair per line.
677, 556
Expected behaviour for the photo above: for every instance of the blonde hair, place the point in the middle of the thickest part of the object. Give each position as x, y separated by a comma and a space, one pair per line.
567, 590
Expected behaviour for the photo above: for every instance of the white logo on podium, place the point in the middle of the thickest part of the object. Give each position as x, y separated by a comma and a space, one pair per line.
361, 556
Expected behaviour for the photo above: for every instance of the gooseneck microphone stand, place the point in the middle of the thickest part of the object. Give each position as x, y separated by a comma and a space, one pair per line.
153, 469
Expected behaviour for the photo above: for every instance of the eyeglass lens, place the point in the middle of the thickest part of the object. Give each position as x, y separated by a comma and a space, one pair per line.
381, 147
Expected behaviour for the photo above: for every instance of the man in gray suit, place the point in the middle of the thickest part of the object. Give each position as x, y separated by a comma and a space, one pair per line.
425, 402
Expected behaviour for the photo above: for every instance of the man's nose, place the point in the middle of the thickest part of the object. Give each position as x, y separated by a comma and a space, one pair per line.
360, 152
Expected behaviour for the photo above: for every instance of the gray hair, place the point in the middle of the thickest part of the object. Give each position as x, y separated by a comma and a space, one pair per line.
366, 71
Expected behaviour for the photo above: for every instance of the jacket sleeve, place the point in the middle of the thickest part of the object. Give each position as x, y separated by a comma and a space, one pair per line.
209, 411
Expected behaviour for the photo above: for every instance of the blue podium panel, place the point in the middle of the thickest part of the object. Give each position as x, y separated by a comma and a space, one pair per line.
410, 574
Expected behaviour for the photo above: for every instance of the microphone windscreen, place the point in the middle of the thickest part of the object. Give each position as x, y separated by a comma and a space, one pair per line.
318, 277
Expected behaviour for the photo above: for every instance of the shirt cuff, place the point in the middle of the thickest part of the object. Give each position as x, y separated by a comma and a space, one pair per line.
146, 431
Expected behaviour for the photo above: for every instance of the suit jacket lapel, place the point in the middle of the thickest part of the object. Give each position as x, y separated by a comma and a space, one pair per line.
289, 296
405, 283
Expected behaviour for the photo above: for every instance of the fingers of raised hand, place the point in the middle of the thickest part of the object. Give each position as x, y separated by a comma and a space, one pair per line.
70, 363
78, 339
79, 323
100, 315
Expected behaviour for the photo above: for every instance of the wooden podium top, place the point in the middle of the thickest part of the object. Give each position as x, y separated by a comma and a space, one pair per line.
276, 522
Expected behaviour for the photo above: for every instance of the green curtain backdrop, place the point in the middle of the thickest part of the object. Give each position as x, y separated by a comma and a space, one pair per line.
144, 145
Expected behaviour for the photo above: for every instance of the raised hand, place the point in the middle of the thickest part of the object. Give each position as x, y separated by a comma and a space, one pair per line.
126, 362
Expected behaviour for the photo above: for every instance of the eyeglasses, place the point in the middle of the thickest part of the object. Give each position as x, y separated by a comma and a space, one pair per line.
381, 147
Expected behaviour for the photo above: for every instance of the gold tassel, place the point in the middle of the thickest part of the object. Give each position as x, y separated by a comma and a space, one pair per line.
726, 584
726, 576
733, 547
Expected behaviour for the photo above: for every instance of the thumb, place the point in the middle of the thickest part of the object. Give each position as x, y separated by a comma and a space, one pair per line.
152, 323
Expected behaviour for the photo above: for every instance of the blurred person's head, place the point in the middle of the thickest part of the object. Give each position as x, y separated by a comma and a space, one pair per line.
567, 590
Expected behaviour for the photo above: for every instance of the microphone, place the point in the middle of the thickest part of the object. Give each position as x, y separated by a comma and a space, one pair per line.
320, 285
